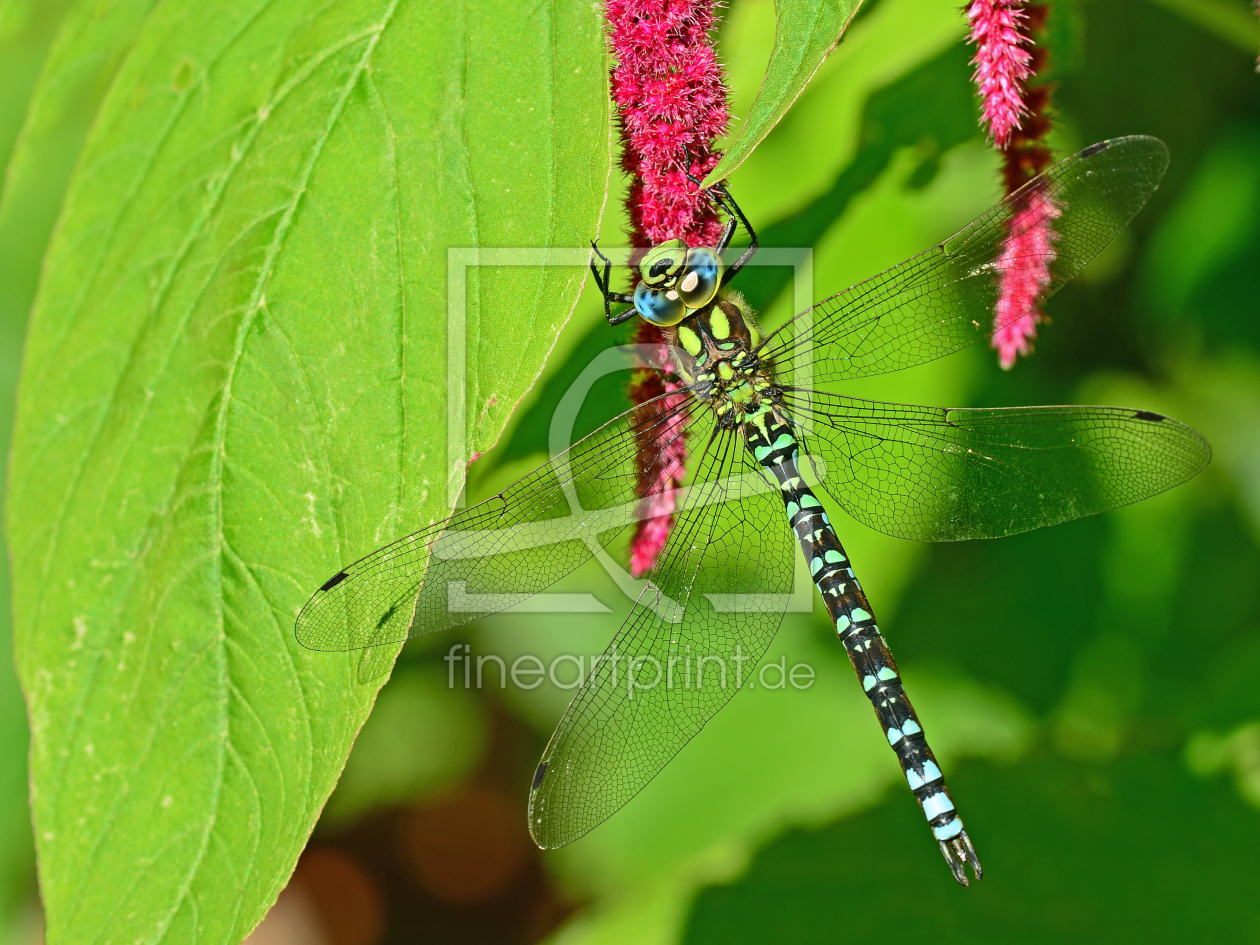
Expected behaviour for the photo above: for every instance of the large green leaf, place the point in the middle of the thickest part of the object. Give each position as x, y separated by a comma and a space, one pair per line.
89, 43
236, 380
805, 33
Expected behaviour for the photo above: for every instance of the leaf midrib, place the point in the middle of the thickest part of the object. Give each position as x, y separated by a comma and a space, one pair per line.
221, 421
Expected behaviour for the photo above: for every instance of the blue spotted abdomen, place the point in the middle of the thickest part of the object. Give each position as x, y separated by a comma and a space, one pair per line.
772, 441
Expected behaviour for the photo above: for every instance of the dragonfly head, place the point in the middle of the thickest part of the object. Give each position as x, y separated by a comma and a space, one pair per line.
675, 280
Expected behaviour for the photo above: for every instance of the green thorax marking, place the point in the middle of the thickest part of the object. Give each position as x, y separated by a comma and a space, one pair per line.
713, 349
719, 323
690, 341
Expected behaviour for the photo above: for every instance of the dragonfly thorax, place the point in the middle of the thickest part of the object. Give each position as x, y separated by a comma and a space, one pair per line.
714, 350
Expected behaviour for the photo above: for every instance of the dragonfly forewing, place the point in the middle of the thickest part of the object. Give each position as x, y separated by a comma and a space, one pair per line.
499, 552
944, 299
946, 474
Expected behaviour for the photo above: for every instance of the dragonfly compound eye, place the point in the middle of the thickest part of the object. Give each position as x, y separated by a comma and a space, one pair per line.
700, 278
663, 307
662, 264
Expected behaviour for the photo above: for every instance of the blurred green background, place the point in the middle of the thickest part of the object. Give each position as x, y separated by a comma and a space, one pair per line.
1093, 690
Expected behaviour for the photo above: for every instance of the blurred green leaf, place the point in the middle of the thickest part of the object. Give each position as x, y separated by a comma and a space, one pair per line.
1063, 38
236, 380
423, 734
929, 108
74, 74
1238, 752
1231, 22
1200, 265
1137, 851
822, 132
1222, 396
805, 33
27, 29
1012, 631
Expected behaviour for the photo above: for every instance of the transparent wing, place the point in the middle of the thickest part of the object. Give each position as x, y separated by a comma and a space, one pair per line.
715, 601
495, 554
946, 474
944, 299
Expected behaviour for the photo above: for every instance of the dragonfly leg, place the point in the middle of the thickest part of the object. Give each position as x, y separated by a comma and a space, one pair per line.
721, 195
773, 444
603, 282
732, 221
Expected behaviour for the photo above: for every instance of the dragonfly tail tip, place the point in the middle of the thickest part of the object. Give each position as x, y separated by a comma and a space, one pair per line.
958, 852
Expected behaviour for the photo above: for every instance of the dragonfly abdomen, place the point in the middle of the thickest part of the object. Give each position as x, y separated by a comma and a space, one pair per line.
772, 441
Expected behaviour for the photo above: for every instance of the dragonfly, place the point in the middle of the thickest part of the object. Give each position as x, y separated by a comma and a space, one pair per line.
760, 420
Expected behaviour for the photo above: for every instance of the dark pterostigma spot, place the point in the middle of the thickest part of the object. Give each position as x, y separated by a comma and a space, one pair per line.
1096, 148
1148, 415
333, 581
539, 775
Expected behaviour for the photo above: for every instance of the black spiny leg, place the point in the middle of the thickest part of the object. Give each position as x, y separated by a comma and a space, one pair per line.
724, 199
603, 282
721, 195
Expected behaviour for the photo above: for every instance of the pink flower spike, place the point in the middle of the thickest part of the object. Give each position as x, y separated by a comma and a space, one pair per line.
672, 104
1002, 63
650, 541
1024, 264
661, 470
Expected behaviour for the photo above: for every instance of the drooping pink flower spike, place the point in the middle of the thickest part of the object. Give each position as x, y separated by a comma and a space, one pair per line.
1025, 267
671, 102
1003, 63
1006, 59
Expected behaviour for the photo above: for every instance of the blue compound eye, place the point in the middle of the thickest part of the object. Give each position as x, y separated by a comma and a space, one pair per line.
661, 307
701, 277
